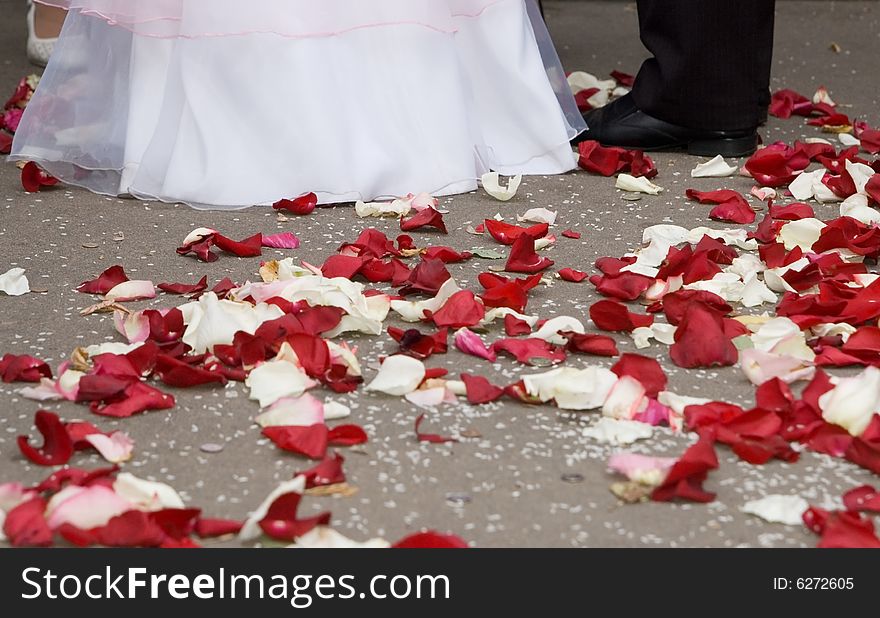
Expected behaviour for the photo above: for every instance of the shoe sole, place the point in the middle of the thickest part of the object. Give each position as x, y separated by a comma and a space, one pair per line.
733, 147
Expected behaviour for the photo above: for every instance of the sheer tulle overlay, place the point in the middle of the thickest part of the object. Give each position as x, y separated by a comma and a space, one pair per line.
226, 104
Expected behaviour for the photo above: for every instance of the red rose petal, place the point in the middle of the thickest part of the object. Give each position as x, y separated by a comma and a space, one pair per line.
433, 438
686, 477
57, 446
571, 234
446, 254
863, 498
249, 247
282, 523
428, 217
310, 441
524, 259
430, 540
611, 315
480, 390
624, 79
284, 240
507, 234
303, 205
327, 472
23, 368
528, 350
33, 178
427, 277
26, 526
105, 282
461, 309
513, 326
700, 340
598, 345
138, 397
347, 435
184, 288
575, 276
174, 372
646, 370
212, 528
731, 207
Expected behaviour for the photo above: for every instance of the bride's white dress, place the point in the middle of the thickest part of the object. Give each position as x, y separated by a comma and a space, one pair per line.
227, 103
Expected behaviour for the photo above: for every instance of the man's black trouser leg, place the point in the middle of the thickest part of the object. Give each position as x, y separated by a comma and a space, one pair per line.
711, 64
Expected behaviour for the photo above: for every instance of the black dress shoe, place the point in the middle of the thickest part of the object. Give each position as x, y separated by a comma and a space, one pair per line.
621, 123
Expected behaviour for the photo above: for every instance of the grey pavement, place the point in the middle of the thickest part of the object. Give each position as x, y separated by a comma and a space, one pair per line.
504, 488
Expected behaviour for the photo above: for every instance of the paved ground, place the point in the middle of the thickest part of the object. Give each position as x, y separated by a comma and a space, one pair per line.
510, 478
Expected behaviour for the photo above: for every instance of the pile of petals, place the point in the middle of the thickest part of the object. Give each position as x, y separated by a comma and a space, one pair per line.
10, 115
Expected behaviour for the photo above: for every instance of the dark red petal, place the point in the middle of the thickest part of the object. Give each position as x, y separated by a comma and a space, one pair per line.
23, 368
430, 437
428, 217
513, 326
303, 205
249, 247
176, 523
686, 477
327, 472
57, 446
598, 345
611, 315
105, 282
211, 528
138, 397
524, 259
731, 206
184, 288
427, 277
174, 372
282, 522
347, 435
700, 340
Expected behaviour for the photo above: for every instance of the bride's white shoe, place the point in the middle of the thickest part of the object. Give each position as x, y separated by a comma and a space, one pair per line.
38, 50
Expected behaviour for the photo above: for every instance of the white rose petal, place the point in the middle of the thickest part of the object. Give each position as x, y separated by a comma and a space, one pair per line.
492, 185
14, 283
802, 233
618, 432
778, 509
146, 495
549, 331
399, 375
716, 168
324, 537
626, 182
538, 215
131, 290
625, 400
276, 379
85, 507
303, 411
853, 401
572, 389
